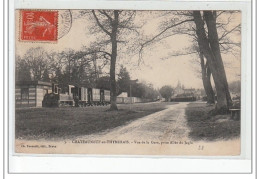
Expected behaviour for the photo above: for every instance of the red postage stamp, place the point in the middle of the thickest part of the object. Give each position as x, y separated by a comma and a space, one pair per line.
38, 25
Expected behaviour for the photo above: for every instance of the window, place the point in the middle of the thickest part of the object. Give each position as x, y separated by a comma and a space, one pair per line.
25, 93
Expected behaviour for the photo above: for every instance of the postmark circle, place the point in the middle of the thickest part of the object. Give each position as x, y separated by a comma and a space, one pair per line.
65, 23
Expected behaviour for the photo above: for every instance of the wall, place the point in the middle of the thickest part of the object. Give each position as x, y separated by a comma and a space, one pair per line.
28, 102
128, 100
41, 90
35, 95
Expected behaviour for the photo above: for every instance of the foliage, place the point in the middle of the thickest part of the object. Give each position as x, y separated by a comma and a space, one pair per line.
213, 33
45, 76
68, 67
80, 68
123, 80
138, 89
166, 92
103, 82
22, 70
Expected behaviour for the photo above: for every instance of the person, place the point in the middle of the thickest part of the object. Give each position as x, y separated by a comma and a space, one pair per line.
76, 99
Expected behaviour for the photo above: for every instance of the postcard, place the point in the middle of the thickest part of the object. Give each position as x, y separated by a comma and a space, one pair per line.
128, 82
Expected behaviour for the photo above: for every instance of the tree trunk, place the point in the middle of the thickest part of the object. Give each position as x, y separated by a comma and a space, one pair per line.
206, 73
113, 105
210, 18
210, 89
214, 62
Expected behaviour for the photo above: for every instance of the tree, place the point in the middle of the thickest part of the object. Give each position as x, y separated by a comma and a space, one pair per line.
66, 58
32, 65
114, 24
123, 80
166, 92
22, 72
45, 76
37, 61
150, 92
103, 82
182, 22
206, 75
209, 45
138, 90
69, 67
80, 68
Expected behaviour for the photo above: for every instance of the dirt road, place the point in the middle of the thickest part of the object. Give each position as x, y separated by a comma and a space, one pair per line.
169, 124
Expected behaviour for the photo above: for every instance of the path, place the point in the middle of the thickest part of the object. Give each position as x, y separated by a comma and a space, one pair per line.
169, 124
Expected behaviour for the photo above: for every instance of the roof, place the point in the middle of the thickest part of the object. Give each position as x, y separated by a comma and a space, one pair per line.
42, 83
123, 94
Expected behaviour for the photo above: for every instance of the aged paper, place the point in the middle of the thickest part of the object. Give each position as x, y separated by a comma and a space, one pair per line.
119, 82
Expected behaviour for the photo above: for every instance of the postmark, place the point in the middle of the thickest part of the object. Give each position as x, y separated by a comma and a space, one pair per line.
64, 23
38, 25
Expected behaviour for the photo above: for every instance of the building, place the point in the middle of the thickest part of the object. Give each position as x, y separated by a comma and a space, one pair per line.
123, 95
31, 93
179, 89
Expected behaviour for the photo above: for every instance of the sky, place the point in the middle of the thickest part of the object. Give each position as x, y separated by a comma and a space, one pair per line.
155, 69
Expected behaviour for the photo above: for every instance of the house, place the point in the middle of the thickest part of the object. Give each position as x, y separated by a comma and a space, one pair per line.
31, 93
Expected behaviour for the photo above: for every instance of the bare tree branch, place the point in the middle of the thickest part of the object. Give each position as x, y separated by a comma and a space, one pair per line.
166, 29
125, 22
182, 54
158, 35
228, 32
100, 25
230, 43
104, 13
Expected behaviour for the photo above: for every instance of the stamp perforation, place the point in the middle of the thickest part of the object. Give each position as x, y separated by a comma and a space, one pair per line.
55, 26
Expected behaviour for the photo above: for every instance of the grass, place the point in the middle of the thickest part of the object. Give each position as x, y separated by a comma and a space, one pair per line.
67, 122
204, 126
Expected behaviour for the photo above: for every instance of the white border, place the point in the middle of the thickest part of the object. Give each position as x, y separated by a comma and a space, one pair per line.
130, 4
74, 164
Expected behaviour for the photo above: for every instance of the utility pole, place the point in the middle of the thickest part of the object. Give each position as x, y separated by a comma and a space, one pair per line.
130, 97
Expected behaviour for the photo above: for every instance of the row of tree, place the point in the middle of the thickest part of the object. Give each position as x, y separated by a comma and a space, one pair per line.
68, 67
204, 28
211, 32
135, 88
113, 30
167, 91
77, 68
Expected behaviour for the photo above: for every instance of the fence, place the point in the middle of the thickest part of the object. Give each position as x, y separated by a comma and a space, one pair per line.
128, 100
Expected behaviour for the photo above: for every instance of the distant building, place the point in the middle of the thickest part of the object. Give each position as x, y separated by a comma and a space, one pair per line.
31, 93
180, 90
189, 91
123, 94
